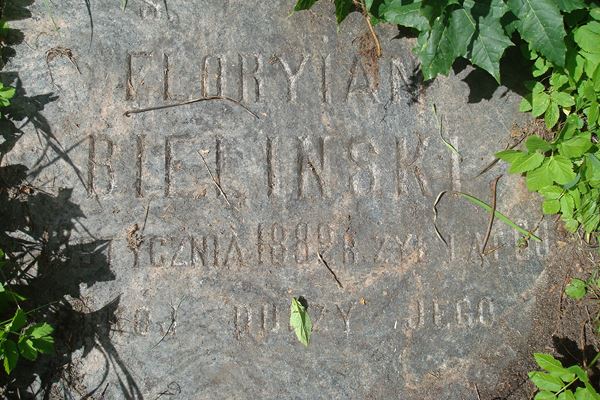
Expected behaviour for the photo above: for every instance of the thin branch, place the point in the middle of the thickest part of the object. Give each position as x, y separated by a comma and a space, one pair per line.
193, 101
492, 215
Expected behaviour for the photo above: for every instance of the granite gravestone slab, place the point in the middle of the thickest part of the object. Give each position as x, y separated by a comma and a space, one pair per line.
324, 162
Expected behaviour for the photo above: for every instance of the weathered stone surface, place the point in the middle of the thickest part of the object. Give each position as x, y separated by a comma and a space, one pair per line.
214, 218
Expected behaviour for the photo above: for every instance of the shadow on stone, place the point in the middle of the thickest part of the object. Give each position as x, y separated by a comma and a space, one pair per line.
51, 255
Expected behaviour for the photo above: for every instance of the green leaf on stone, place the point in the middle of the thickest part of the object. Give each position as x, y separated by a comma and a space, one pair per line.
541, 25
405, 13
300, 322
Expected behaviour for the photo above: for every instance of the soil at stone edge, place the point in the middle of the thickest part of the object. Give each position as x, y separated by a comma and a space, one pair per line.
561, 326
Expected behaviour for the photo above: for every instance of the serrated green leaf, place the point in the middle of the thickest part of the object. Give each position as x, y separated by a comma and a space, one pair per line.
510, 156
540, 103
571, 224
550, 364
44, 344
566, 395
405, 13
18, 321
300, 322
544, 395
583, 394
551, 207
561, 169
571, 5
448, 39
11, 355
552, 115
592, 167
536, 143
539, 178
558, 80
592, 113
576, 289
551, 192
526, 162
40, 330
588, 37
26, 349
489, 39
563, 99
545, 381
304, 4
576, 146
567, 205
541, 25
525, 105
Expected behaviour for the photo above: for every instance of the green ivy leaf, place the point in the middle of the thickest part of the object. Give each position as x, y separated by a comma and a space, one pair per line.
304, 4
541, 25
300, 322
571, 5
561, 169
489, 40
576, 289
448, 39
405, 13
11, 355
